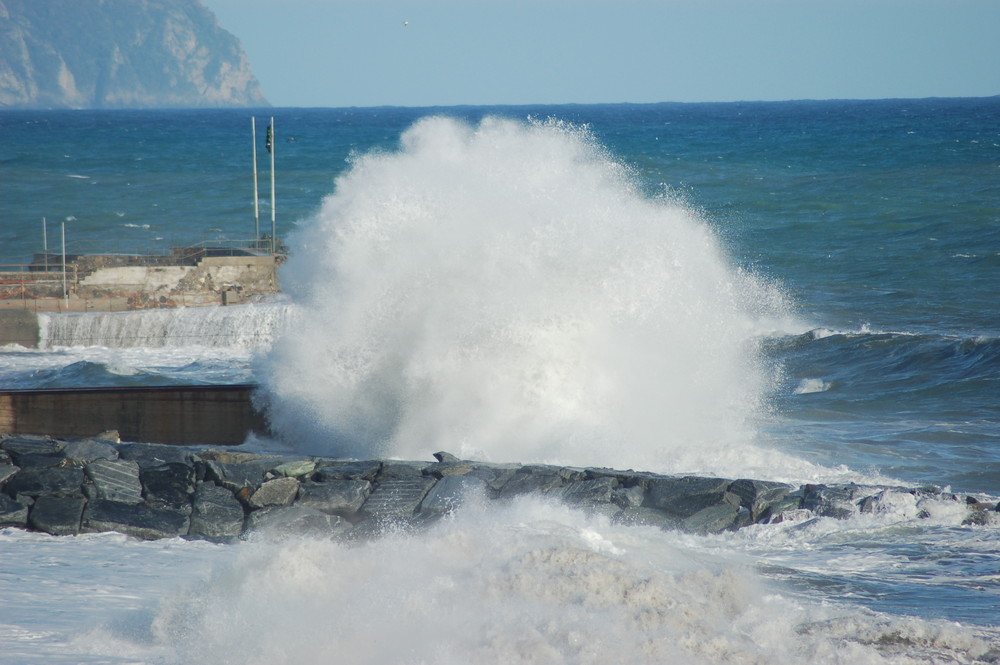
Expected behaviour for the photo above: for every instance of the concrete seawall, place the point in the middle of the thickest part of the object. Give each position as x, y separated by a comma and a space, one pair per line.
19, 326
216, 415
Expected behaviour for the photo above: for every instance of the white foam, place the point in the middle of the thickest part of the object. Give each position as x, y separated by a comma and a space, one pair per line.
505, 291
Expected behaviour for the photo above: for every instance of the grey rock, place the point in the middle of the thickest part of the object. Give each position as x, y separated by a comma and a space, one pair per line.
284, 521
496, 476
216, 514
587, 492
342, 497
234, 477
398, 498
448, 458
150, 454
837, 501
451, 492
7, 471
57, 515
134, 519
532, 480
293, 468
27, 445
168, 485
41, 460
85, 451
347, 470
277, 492
759, 496
12, 513
395, 469
116, 480
51, 481
716, 519
683, 497
629, 497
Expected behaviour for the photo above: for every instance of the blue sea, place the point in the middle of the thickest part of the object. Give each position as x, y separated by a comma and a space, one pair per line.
804, 291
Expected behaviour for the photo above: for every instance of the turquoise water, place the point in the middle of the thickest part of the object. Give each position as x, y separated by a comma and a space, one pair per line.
800, 290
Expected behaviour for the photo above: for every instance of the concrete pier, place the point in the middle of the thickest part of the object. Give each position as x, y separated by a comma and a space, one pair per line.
215, 415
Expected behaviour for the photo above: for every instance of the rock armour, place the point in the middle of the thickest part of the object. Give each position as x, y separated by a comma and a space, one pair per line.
151, 491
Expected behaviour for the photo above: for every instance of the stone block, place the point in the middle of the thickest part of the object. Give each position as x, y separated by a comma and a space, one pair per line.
451, 492
52, 481
12, 513
341, 497
759, 496
277, 492
26, 445
57, 515
587, 492
237, 476
532, 480
397, 499
216, 514
85, 451
347, 470
284, 521
134, 519
151, 454
7, 471
683, 497
168, 485
116, 480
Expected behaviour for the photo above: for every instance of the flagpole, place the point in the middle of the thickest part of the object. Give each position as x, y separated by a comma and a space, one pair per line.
45, 244
270, 134
65, 290
256, 204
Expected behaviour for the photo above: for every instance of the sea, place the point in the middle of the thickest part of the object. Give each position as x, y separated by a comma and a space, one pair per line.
805, 292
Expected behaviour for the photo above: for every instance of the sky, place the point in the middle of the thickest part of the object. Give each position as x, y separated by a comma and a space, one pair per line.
337, 53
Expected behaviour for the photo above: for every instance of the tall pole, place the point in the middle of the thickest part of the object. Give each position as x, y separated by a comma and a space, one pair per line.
45, 244
65, 290
270, 143
256, 204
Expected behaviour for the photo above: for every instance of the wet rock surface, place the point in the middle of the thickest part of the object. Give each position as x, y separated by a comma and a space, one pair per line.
150, 491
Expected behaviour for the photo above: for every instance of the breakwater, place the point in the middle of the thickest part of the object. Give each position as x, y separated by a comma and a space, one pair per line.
150, 491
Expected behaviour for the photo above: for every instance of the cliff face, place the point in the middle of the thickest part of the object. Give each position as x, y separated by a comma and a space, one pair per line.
104, 54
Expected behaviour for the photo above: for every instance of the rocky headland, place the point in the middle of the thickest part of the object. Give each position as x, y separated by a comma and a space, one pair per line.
151, 491
117, 54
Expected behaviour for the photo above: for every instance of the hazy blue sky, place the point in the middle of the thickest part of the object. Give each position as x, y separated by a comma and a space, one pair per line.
360, 52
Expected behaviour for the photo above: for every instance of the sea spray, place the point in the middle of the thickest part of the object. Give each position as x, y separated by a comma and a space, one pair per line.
527, 582
505, 291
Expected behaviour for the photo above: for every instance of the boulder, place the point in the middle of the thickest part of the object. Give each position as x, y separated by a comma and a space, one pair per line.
397, 499
684, 497
587, 492
116, 480
284, 521
336, 497
134, 519
169, 485
85, 451
41, 481
27, 445
451, 492
759, 496
277, 492
58, 515
216, 514
12, 513
151, 454
234, 477
534, 479
294, 468
347, 470
7, 471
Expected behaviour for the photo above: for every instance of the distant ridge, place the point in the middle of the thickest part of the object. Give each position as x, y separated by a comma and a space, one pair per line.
106, 54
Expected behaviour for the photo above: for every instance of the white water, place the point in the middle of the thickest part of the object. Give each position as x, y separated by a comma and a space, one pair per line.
505, 291
245, 327
523, 583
